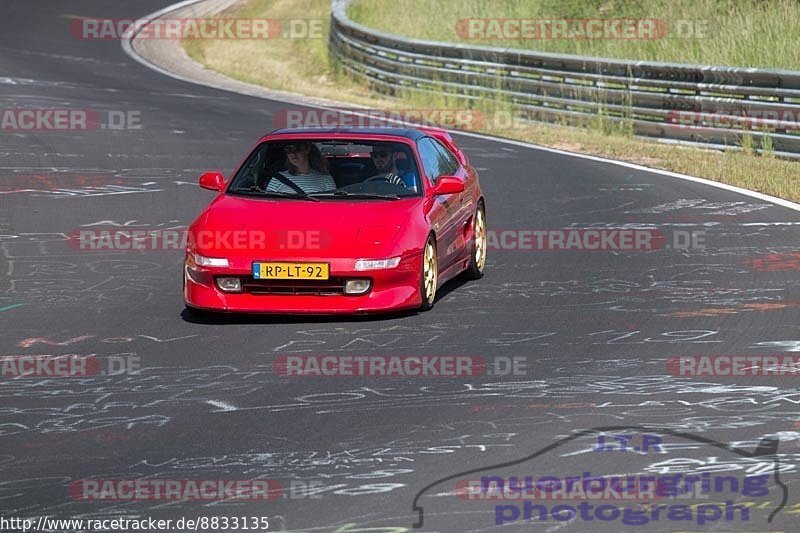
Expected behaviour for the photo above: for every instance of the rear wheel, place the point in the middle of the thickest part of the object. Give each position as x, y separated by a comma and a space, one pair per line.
430, 274
477, 258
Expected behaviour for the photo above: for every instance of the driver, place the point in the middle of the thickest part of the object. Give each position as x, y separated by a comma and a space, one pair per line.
385, 161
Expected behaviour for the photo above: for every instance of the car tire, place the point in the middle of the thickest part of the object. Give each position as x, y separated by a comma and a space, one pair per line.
477, 254
429, 274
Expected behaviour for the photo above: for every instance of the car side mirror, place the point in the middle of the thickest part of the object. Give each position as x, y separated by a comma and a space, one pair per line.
448, 185
213, 181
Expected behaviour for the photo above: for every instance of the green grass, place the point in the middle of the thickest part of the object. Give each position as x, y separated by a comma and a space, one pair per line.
748, 33
268, 62
304, 66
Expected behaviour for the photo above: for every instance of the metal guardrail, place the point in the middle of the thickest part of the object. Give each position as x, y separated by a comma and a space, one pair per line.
721, 103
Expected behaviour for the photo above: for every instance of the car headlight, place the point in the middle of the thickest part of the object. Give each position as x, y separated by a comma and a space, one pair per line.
200, 260
377, 264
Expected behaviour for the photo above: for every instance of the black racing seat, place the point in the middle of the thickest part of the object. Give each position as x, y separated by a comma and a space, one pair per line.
348, 173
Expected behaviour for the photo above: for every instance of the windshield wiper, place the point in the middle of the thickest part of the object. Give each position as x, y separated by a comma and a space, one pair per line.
255, 191
361, 195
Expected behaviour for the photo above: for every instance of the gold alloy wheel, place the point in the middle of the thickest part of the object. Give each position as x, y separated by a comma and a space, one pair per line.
429, 272
480, 239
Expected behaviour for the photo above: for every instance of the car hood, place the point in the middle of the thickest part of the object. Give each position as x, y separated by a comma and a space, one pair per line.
235, 226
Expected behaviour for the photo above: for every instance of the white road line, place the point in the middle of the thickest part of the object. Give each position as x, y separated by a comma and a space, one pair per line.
222, 406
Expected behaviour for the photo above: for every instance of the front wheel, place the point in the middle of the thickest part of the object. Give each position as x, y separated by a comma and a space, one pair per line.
429, 275
477, 258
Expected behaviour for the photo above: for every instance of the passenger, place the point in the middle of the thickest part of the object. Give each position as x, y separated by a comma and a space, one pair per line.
308, 170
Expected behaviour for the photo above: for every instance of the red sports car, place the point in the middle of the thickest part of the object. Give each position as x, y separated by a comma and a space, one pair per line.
349, 220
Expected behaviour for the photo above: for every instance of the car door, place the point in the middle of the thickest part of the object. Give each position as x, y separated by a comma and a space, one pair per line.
446, 209
460, 202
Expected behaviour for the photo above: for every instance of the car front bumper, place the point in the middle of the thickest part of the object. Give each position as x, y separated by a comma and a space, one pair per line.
391, 290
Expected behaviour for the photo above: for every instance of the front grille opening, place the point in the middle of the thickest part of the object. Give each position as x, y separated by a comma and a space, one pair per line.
328, 287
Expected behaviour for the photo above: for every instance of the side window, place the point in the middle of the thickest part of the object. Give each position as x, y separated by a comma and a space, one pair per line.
449, 162
431, 159
249, 173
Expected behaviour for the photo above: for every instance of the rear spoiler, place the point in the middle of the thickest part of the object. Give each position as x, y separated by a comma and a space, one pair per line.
446, 139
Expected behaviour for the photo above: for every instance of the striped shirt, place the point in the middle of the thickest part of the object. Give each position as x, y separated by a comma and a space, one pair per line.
308, 183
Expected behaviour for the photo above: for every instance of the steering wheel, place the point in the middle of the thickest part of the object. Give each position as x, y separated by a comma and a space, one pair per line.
376, 177
264, 177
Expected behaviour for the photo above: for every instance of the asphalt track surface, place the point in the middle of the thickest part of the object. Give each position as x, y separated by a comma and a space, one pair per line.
595, 328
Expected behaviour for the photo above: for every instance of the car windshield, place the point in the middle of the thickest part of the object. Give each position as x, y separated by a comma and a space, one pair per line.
330, 170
